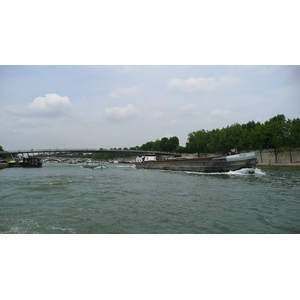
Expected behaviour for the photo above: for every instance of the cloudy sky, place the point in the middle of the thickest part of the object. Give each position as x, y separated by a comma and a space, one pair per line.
124, 106
121, 74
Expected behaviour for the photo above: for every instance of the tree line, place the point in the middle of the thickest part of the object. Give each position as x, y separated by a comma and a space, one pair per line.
165, 144
277, 133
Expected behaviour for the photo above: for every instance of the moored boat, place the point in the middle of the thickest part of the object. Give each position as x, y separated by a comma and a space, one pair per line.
27, 162
31, 162
207, 164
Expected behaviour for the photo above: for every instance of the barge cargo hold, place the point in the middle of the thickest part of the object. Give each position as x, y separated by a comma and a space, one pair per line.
207, 165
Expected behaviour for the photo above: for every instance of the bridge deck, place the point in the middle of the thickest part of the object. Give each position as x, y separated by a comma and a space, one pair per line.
86, 150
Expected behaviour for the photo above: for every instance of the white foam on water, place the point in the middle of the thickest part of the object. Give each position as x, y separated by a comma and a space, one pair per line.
14, 230
205, 173
59, 228
259, 172
245, 171
126, 166
242, 172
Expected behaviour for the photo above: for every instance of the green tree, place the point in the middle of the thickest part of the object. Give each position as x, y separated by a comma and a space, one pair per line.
172, 144
163, 144
235, 139
295, 132
134, 148
156, 145
198, 142
213, 141
292, 135
4, 156
148, 146
180, 149
276, 131
102, 155
249, 136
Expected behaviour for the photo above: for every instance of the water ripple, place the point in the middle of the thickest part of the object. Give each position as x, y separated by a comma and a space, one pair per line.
65, 199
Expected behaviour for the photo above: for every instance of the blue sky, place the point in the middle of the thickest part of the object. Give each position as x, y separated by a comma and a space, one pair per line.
123, 106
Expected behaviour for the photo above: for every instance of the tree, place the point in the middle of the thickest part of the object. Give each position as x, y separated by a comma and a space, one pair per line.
198, 142
163, 144
134, 148
3, 155
250, 136
180, 149
276, 133
292, 135
172, 143
213, 141
295, 132
234, 138
102, 155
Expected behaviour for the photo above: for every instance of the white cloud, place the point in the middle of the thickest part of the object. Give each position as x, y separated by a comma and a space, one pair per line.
26, 122
157, 115
52, 105
187, 109
129, 92
202, 84
221, 113
120, 113
172, 122
220, 118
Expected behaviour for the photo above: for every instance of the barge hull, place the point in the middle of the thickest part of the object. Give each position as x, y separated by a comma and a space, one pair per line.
208, 165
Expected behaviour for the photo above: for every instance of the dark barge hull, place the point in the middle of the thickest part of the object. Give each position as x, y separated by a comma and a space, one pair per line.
207, 165
27, 163
31, 162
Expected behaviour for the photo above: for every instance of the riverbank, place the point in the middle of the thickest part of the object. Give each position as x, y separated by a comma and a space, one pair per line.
283, 157
278, 165
3, 165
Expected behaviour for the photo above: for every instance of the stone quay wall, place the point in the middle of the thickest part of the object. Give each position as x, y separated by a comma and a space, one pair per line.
268, 156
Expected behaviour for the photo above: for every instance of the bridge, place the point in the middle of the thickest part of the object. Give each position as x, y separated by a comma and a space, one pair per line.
49, 152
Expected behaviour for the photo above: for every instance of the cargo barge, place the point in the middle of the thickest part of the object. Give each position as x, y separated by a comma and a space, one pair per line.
207, 165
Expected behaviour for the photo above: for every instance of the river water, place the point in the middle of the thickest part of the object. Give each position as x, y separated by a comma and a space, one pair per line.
64, 198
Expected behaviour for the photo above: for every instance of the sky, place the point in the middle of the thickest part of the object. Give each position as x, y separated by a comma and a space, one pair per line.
121, 74
117, 106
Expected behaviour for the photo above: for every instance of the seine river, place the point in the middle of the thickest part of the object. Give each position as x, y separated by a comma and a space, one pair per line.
64, 198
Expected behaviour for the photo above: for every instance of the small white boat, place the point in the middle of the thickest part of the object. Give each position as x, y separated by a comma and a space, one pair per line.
91, 165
